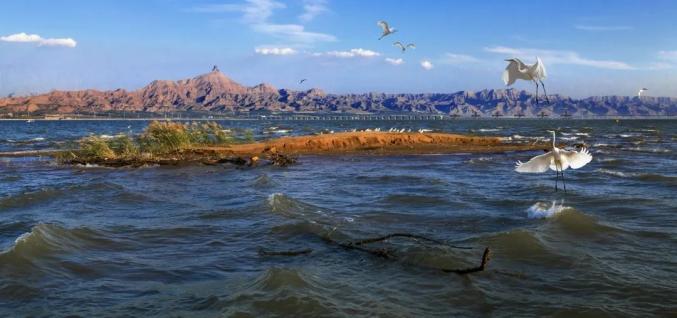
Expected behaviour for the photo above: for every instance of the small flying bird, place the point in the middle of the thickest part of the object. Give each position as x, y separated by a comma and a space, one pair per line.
303, 80
555, 159
387, 30
404, 47
639, 94
518, 70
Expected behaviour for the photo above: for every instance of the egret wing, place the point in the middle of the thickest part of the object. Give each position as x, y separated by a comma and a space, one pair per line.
540, 72
383, 25
536, 165
577, 159
510, 74
411, 45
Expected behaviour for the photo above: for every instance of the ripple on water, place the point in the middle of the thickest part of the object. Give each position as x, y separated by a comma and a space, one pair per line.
280, 292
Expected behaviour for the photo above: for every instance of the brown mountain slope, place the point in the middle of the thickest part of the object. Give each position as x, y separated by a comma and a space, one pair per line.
214, 91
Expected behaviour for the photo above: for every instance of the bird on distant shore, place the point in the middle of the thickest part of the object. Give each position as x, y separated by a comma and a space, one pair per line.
639, 94
303, 80
536, 73
555, 159
404, 47
387, 30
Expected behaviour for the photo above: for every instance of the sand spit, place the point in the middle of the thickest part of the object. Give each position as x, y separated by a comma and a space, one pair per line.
373, 143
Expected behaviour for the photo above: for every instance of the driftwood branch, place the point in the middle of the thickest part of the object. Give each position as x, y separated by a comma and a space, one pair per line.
264, 252
485, 259
387, 253
406, 235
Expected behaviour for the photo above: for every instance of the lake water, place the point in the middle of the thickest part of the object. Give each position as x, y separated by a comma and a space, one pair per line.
184, 240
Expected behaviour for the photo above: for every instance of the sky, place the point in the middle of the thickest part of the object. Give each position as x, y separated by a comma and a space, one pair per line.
588, 47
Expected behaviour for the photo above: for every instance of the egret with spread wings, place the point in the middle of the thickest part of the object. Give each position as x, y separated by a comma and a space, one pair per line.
556, 159
518, 70
387, 30
404, 47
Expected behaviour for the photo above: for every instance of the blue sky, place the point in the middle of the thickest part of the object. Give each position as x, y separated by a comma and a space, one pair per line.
588, 47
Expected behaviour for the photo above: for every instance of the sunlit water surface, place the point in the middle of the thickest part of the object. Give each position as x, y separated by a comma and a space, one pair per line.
184, 240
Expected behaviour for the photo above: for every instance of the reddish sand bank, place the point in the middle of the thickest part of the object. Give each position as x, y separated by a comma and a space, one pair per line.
373, 142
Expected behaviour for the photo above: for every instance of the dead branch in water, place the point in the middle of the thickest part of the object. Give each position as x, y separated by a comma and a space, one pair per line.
385, 252
280, 160
486, 256
264, 252
406, 235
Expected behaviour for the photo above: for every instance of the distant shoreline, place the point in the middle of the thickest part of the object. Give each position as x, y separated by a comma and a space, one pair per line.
321, 118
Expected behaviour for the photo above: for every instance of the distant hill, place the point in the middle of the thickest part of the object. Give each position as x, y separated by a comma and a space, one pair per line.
216, 92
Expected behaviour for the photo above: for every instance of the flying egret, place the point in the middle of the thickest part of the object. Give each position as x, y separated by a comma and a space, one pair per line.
518, 70
555, 159
404, 47
303, 80
639, 94
387, 30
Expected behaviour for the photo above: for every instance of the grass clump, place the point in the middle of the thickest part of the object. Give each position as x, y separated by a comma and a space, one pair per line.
157, 140
96, 147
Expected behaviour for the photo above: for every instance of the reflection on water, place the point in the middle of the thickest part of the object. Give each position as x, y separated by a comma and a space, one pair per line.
184, 241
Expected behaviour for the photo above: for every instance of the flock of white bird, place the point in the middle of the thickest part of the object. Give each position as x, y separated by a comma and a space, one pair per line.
556, 159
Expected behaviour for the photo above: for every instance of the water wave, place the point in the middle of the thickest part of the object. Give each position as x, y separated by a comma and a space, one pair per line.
648, 150
542, 210
296, 209
638, 175
279, 292
47, 239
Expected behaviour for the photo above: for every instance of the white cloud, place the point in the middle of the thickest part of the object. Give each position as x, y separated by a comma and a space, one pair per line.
275, 51
660, 66
394, 61
257, 14
293, 32
668, 55
313, 8
350, 54
34, 38
456, 59
559, 57
603, 28
427, 65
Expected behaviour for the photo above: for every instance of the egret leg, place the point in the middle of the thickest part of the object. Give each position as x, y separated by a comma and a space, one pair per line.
556, 178
563, 182
544, 92
536, 93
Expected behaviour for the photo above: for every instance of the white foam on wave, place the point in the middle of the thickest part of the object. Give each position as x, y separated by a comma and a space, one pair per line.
526, 137
651, 150
488, 129
38, 139
22, 238
614, 173
569, 138
544, 210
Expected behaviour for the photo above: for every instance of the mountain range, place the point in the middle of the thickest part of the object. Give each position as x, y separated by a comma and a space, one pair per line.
215, 92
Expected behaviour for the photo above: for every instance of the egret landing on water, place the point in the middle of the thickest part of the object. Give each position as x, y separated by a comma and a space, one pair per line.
556, 159
387, 30
518, 70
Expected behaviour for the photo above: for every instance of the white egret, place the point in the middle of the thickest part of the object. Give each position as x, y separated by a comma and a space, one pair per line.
518, 70
556, 159
404, 47
387, 30
639, 94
